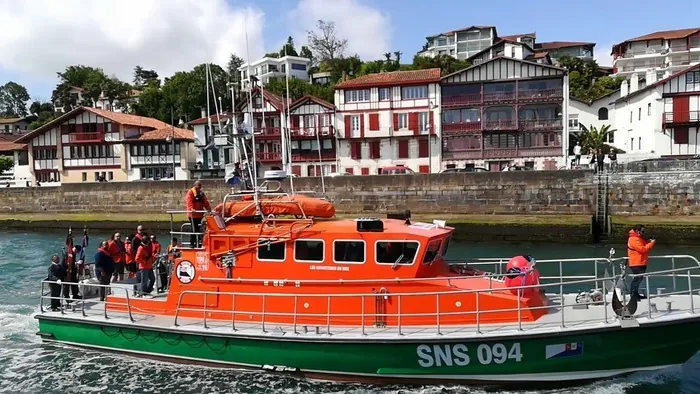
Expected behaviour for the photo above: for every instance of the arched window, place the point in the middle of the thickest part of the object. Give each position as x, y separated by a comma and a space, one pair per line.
603, 114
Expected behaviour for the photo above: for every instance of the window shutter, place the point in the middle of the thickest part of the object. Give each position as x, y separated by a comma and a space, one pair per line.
350, 170
680, 135
348, 126
79, 128
403, 149
362, 125
413, 122
424, 169
423, 148
365, 171
296, 170
396, 122
430, 123
100, 127
295, 121
374, 150
374, 122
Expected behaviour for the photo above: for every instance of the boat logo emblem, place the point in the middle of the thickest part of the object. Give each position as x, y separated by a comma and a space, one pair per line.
185, 272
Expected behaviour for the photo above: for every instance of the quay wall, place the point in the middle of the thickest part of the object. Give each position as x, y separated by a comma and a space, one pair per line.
502, 193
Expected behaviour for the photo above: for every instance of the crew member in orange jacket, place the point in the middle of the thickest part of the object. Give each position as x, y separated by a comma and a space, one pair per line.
144, 258
638, 249
117, 250
195, 200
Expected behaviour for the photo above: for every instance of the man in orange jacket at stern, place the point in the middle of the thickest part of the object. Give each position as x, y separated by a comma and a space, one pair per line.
195, 200
638, 249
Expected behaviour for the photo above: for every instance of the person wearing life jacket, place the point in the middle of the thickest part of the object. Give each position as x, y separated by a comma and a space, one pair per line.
144, 258
196, 202
638, 249
117, 250
129, 257
104, 267
155, 245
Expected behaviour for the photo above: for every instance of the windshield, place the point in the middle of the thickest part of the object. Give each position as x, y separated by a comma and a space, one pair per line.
432, 252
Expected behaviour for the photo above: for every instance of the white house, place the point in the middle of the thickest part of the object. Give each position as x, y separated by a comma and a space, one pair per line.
462, 43
661, 118
596, 113
312, 137
269, 68
389, 119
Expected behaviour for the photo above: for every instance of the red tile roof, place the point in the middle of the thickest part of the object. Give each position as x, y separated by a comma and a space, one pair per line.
316, 100
662, 35
463, 29
214, 119
544, 46
514, 37
10, 146
163, 134
393, 78
539, 55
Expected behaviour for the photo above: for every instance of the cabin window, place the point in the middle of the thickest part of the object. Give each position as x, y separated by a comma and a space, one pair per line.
271, 250
447, 245
433, 251
396, 252
349, 252
308, 251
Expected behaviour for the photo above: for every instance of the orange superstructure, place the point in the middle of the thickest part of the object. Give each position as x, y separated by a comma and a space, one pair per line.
311, 271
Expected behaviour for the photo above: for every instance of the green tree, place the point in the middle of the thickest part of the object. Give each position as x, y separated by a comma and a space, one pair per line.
350, 65
143, 77
114, 89
13, 100
185, 92
234, 63
299, 88
306, 52
372, 67
273, 55
447, 64
6, 164
586, 81
592, 138
325, 43
288, 48
151, 103
90, 79
44, 113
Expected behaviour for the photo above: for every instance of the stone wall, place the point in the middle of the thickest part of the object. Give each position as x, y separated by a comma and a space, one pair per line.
536, 192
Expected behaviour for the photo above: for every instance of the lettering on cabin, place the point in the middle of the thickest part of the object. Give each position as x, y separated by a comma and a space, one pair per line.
328, 268
202, 261
440, 355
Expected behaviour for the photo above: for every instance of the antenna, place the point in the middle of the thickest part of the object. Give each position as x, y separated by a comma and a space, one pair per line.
288, 132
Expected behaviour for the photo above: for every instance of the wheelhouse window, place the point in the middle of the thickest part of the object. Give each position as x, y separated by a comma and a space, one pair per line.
308, 251
271, 250
432, 252
414, 92
396, 252
349, 252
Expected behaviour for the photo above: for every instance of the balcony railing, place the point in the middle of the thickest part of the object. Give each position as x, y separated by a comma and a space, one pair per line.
499, 96
539, 94
503, 124
648, 51
86, 137
681, 117
467, 99
269, 156
268, 132
461, 128
497, 153
304, 132
312, 156
539, 124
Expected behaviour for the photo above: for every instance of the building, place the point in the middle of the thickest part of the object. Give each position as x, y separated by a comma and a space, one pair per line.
660, 119
388, 119
88, 144
13, 127
658, 54
313, 137
269, 68
557, 49
461, 44
75, 98
505, 111
596, 113
117, 105
507, 48
212, 158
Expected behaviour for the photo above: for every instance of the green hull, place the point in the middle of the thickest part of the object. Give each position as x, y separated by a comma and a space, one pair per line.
557, 357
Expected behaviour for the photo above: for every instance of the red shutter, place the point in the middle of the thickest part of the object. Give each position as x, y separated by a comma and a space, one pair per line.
362, 125
311, 170
296, 170
333, 168
423, 148
348, 126
680, 134
413, 122
396, 122
356, 150
350, 170
403, 149
79, 128
365, 171
295, 121
681, 106
374, 150
430, 123
100, 127
374, 122
424, 169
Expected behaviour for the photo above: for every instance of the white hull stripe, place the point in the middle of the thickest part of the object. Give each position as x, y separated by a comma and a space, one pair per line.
530, 377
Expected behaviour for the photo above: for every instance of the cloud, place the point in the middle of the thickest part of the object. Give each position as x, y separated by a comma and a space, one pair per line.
602, 54
367, 30
41, 37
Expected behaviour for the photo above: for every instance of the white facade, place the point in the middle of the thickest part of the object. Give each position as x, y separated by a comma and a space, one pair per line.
461, 44
383, 126
269, 68
596, 114
313, 144
76, 95
661, 119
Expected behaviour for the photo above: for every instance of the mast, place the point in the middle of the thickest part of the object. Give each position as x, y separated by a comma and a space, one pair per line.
216, 107
320, 161
254, 171
287, 136
210, 132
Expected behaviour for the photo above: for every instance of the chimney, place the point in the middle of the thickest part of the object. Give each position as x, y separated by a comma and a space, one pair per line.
344, 77
204, 113
624, 88
634, 83
651, 77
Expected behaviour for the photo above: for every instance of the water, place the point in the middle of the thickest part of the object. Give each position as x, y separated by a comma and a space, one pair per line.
28, 366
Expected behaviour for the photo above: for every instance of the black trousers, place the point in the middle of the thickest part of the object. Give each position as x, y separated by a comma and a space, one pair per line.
55, 295
104, 280
67, 289
196, 223
634, 287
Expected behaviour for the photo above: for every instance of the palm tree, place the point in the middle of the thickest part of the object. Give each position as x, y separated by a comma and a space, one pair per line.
397, 54
592, 138
388, 56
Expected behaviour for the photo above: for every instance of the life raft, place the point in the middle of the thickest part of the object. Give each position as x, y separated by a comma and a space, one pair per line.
279, 206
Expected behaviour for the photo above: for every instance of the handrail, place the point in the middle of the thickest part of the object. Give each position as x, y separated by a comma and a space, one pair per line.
62, 283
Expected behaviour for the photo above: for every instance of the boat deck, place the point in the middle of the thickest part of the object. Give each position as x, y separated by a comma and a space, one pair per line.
573, 317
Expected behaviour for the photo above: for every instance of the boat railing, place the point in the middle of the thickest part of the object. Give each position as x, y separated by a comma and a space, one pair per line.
108, 301
185, 230
401, 298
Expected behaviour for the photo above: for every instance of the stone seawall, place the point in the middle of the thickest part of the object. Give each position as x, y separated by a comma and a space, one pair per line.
536, 192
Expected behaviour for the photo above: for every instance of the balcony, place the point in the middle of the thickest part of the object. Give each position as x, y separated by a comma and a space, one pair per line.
462, 100
303, 132
681, 118
312, 156
498, 97
502, 124
501, 153
461, 128
269, 157
649, 51
540, 94
268, 132
84, 138
539, 124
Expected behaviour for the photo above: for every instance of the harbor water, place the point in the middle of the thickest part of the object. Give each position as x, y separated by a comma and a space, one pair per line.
28, 366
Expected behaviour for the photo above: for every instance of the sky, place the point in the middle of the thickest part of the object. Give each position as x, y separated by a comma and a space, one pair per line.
41, 37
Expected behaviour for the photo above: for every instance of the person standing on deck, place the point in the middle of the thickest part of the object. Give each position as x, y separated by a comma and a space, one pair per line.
613, 160
638, 249
56, 274
129, 257
195, 202
144, 258
577, 154
600, 160
155, 245
71, 269
117, 251
104, 267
